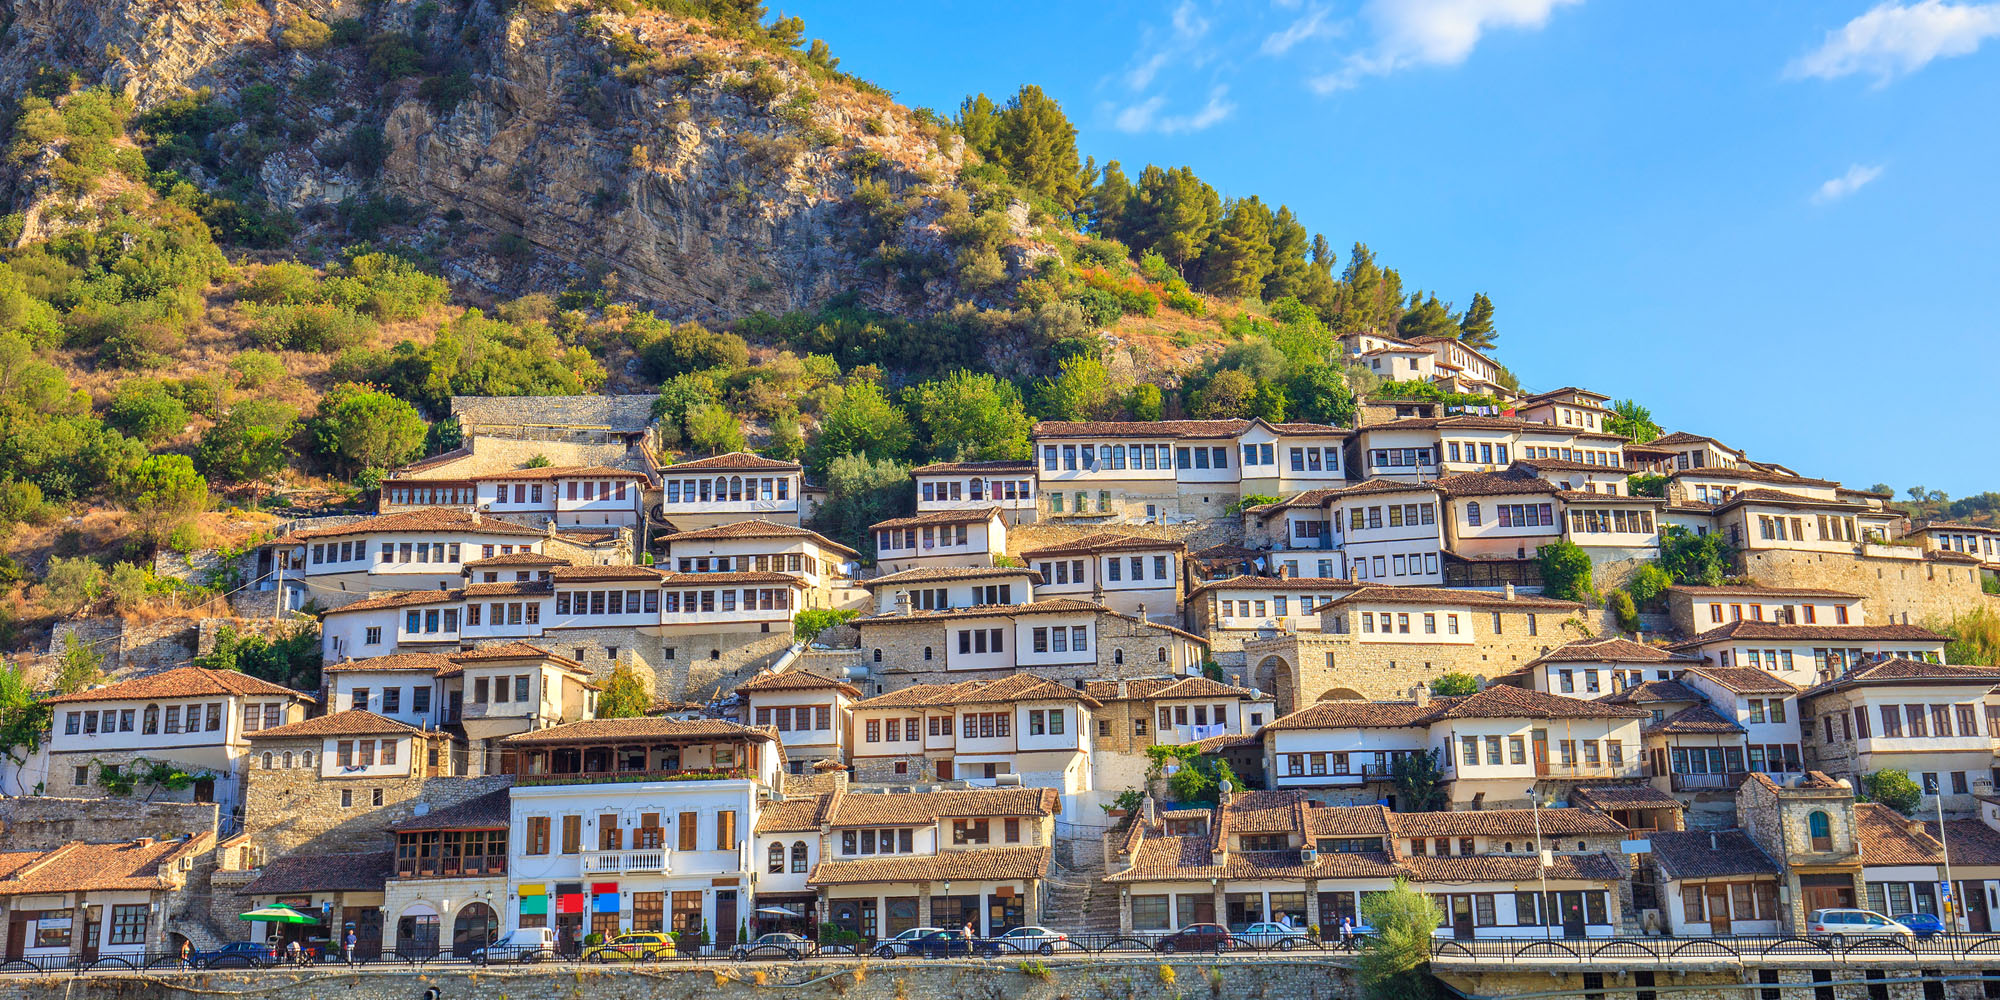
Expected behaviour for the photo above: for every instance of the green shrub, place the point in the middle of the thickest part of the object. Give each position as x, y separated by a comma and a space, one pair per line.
810, 622
1623, 609
285, 281
387, 287
257, 369
146, 409
1187, 302
305, 33
315, 327
392, 54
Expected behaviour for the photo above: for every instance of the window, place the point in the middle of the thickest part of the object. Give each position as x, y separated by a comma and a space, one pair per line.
1820, 827
128, 923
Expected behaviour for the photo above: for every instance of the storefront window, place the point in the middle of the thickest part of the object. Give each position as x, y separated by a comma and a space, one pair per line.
1149, 913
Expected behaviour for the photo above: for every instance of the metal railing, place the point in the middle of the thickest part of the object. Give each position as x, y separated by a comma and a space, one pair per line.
1625, 950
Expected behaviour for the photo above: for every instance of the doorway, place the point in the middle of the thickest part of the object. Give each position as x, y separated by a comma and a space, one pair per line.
1972, 895
476, 926
1541, 752
725, 918
1827, 892
92, 917
17, 937
1572, 914
1461, 918
1717, 902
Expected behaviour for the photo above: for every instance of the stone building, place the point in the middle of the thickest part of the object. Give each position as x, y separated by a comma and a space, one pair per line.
91, 900
1929, 720
1143, 712
1130, 574
1020, 729
448, 883
1807, 826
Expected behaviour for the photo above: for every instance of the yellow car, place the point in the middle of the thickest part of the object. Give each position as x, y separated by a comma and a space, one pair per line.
644, 946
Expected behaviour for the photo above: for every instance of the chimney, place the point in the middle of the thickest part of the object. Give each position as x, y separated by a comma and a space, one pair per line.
1149, 812
1142, 612
1508, 591
475, 515
902, 602
1284, 572
1224, 794
1422, 694
1714, 842
143, 842
1125, 692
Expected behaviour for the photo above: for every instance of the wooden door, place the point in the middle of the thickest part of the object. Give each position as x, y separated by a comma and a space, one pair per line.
944, 770
1541, 752
725, 918
1461, 918
1972, 896
1717, 904
17, 937
91, 931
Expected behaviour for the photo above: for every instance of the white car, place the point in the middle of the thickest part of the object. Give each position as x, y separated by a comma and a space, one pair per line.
899, 946
1842, 924
1031, 938
522, 944
1271, 934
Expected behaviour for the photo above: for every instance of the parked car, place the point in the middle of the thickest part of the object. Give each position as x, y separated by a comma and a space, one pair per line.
635, 947
1923, 925
773, 945
1031, 938
1842, 924
898, 946
522, 944
238, 954
1270, 934
1197, 937
945, 944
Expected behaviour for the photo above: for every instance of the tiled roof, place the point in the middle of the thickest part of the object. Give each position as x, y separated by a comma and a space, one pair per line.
951, 574
871, 809
970, 516
1445, 597
791, 816
1012, 688
1105, 541
732, 579
1301, 499
507, 588
1265, 812
1189, 857
1952, 526
1746, 680
1479, 484
1353, 715
361, 871
397, 599
1703, 854
1899, 670
1747, 629
1588, 496
1646, 692
1168, 428
1886, 838
516, 650
481, 812
602, 730
755, 528
1502, 702
1347, 821
353, 722
1609, 650
432, 663
992, 864
558, 472
1048, 606
1692, 720
425, 519
1372, 486
584, 574
1683, 437
1783, 499
535, 560
797, 680
735, 460
1755, 592
1969, 841
101, 867
1748, 474
1503, 823
180, 682
1625, 797
1592, 867
946, 468
1571, 465
1307, 583
1164, 689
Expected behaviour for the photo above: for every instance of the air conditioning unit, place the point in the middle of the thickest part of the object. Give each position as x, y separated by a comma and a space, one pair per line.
1307, 855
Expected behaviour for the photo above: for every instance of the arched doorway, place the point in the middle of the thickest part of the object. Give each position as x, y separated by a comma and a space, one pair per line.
417, 931
1274, 675
476, 927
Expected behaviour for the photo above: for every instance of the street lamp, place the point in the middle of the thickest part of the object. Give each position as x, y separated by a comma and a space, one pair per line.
1541, 863
1952, 906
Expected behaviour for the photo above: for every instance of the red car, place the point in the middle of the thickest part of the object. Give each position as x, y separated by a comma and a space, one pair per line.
1197, 937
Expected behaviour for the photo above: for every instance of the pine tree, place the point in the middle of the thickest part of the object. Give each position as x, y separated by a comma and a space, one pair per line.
1290, 270
1430, 318
1239, 256
1177, 213
1106, 205
1037, 144
1476, 329
979, 122
1358, 304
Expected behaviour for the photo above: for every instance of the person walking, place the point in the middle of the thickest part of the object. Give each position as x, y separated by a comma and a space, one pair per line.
294, 953
1347, 933
349, 948
187, 954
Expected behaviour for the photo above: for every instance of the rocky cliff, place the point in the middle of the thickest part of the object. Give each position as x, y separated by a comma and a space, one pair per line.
528, 144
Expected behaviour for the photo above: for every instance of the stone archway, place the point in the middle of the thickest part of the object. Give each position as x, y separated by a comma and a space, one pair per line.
477, 926
1343, 694
1277, 677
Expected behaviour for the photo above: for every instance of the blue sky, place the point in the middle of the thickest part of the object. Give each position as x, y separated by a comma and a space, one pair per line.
1774, 224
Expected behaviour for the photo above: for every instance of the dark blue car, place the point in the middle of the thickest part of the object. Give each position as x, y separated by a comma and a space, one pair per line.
237, 954
948, 944
1923, 925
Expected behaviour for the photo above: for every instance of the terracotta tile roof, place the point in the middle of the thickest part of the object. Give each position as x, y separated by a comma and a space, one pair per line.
181, 682
970, 516
508, 588
851, 809
1591, 867
732, 579
1969, 841
1746, 680
1807, 633
1703, 854
490, 811
1693, 719
92, 867
1347, 821
397, 599
353, 722
1886, 838
1609, 650
1624, 796
1479, 484
1169, 428
1755, 592
533, 560
1899, 670
1502, 823
1784, 499
1570, 465
424, 463
13, 861
946, 468
1586, 496
516, 650
756, 528
425, 519
585, 574
1265, 812
1517, 703
1354, 715
1648, 692
1446, 597
1683, 437
1106, 541
431, 663
791, 816
951, 574
797, 680
1012, 688
1303, 499
1957, 557
1924, 526
361, 871
558, 472
1188, 858
994, 864
601, 730
1164, 689
1054, 605
1747, 474
1368, 487
1307, 583
731, 461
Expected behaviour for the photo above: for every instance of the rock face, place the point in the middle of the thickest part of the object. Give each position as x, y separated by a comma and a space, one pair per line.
710, 177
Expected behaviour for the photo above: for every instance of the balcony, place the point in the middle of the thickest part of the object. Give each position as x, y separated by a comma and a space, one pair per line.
638, 860
470, 865
1707, 782
596, 777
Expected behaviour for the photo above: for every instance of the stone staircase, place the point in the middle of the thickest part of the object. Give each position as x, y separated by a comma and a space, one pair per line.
1075, 897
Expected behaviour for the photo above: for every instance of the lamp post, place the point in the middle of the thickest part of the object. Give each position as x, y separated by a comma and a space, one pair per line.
1541, 863
1952, 904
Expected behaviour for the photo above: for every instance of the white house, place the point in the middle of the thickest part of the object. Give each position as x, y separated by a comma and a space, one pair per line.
1170, 471
944, 588
1388, 532
1809, 654
825, 566
1009, 486
940, 538
569, 496
1129, 574
1033, 730
722, 489
810, 714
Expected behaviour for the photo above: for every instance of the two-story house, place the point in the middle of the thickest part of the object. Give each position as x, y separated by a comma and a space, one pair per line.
448, 877
330, 783
1809, 654
945, 588
1461, 368
568, 496
638, 824
1388, 358
1695, 609
1028, 729
940, 538
1928, 719
759, 546
1058, 638
723, 489
1009, 486
1164, 711
1388, 532
1171, 471
87, 901
1497, 523
419, 549
810, 714
487, 692
1129, 574
1981, 541
1568, 406
197, 719
1235, 609
1596, 667
1767, 708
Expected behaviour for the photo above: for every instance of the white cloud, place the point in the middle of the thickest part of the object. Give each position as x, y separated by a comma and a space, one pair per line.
1145, 116
1856, 177
1312, 24
1894, 39
1411, 33
1186, 32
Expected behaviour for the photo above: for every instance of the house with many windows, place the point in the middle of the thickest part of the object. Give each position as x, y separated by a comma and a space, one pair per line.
86, 901
1928, 719
940, 538
1806, 655
447, 882
1033, 731
946, 588
723, 489
809, 713
1166, 710
1979, 541
1172, 471
1694, 609
484, 693
1009, 486
419, 549
1390, 359
568, 496
1129, 574
1497, 523
1238, 608
1568, 406
1388, 532
824, 566
1597, 667
1058, 638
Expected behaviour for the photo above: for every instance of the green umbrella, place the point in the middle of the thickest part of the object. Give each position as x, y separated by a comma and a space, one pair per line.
277, 914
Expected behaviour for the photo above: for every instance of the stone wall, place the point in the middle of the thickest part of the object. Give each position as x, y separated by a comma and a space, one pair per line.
36, 823
1892, 590
288, 810
1196, 535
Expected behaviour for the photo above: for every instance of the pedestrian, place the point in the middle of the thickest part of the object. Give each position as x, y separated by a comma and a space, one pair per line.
1347, 933
351, 939
294, 952
187, 954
